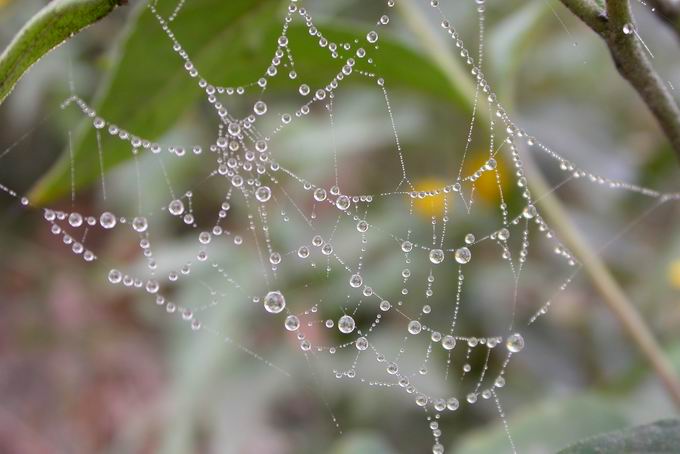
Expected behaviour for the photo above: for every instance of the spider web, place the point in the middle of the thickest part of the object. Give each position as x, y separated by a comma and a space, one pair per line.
283, 226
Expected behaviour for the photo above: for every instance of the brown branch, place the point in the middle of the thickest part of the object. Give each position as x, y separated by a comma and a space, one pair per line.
617, 28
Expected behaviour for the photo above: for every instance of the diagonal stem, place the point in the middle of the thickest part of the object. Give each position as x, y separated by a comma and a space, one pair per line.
612, 294
616, 26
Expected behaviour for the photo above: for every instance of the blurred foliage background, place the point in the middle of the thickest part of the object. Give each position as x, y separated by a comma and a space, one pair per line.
85, 367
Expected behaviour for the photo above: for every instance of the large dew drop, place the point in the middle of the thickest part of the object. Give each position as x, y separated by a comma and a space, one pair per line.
342, 202
372, 37
140, 224
436, 256
176, 207
414, 327
463, 255
346, 324
449, 342
292, 323
260, 108
320, 194
515, 343
263, 193
361, 343
108, 220
115, 276
75, 219
274, 302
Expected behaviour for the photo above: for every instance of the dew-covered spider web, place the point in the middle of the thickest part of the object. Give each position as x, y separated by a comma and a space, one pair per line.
307, 250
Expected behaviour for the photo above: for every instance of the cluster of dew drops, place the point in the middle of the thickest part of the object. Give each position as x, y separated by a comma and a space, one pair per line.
235, 157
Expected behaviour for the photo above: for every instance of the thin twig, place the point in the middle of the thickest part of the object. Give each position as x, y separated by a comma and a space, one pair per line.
616, 27
606, 285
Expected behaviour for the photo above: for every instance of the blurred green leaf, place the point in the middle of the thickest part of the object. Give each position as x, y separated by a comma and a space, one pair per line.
509, 41
229, 42
547, 426
51, 26
659, 437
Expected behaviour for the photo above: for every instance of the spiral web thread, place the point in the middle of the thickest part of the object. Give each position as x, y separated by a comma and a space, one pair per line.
245, 159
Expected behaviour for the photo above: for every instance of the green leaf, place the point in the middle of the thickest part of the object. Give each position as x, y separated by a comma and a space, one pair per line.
547, 426
659, 438
230, 43
50, 27
510, 41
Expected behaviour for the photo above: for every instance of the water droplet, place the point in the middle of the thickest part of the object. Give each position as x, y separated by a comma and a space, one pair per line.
414, 327
342, 202
452, 404
372, 37
115, 276
140, 224
263, 193
356, 280
503, 234
515, 343
436, 256
108, 220
449, 342
274, 302
463, 255
260, 108
292, 323
346, 324
275, 258
320, 194
361, 343
176, 207
152, 286
304, 89
75, 219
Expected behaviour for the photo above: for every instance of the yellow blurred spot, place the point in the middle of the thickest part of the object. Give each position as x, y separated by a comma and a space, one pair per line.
674, 274
486, 187
4, 3
433, 204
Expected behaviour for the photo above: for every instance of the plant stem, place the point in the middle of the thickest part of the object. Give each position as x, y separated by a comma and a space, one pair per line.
612, 294
616, 27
